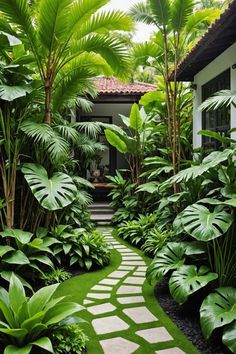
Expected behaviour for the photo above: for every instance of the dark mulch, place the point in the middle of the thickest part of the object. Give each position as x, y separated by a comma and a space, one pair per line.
187, 319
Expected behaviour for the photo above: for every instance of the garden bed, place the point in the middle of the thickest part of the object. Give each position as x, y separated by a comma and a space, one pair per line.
187, 321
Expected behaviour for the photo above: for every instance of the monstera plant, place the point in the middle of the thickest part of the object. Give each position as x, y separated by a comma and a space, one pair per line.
52, 193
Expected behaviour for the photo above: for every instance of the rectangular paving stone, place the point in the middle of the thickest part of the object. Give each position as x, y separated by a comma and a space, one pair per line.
109, 324
126, 268
134, 280
132, 258
170, 351
118, 274
101, 288
109, 281
141, 269
127, 251
137, 263
88, 302
140, 314
155, 335
118, 345
141, 274
100, 309
121, 247
128, 290
98, 296
130, 299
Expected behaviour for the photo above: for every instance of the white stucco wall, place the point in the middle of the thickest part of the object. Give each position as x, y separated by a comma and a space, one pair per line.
216, 67
113, 110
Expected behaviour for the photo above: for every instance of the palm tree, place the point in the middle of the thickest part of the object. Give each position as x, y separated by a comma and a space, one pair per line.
71, 42
178, 24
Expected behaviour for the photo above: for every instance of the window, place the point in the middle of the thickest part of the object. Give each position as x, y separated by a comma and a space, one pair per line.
218, 120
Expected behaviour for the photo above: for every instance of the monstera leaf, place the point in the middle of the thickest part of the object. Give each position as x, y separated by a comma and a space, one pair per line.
187, 280
52, 193
229, 337
168, 258
204, 225
218, 310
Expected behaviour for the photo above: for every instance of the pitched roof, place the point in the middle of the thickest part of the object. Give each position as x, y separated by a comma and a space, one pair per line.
220, 36
114, 87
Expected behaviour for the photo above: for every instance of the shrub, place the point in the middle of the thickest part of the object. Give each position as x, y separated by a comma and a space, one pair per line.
157, 239
69, 339
56, 275
26, 322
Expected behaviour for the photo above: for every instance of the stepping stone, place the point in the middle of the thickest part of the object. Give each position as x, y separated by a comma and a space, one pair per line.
101, 288
87, 302
126, 290
127, 251
155, 335
109, 324
120, 247
134, 280
118, 274
132, 258
100, 309
170, 351
142, 269
140, 314
118, 345
135, 263
142, 274
98, 296
126, 268
109, 281
115, 243
130, 299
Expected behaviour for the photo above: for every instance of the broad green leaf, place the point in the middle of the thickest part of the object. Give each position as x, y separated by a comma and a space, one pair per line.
18, 334
22, 236
170, 257
181, 11
204, 225
229, 337
218, 310
16, 293
187, 280
5, 249
40, 299
161, 11
60, 311
17, 257
12, 40
11, 93
4, 307
115, 141
12, 349
6, 275
135, 118
52, 193
31, 322
44, 343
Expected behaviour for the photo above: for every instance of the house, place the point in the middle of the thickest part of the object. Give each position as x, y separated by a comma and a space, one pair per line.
211, 66
114, 98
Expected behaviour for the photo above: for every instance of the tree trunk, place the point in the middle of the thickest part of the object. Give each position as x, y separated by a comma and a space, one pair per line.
48, 103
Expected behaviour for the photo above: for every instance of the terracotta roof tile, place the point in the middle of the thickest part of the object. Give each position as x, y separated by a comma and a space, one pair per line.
112, 86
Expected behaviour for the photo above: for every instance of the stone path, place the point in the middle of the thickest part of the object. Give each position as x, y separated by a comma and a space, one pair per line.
118, 307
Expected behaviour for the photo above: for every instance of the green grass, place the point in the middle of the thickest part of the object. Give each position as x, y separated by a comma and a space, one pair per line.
78, 287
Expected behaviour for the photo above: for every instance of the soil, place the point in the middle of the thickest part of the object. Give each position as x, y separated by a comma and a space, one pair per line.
186, 317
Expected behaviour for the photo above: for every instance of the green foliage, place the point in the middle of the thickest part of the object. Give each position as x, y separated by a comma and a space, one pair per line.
52, 193
156, 240
218, 310
116, 141
26, 322
56, 275
229, 337
204, 225
187, 279
69, 339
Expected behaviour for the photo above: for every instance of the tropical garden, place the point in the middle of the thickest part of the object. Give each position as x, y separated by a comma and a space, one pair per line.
180, 212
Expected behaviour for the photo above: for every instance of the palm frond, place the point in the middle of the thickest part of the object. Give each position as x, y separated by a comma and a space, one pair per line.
104, 21
141, 12
84, 104
67, 132
180, 12
201, 16
161, 11
110, 49
219, 99
84, 198
82, 182
52, 20
92, 129
39, 132
58, 149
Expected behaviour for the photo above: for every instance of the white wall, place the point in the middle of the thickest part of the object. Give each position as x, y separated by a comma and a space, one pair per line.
113, 110
216, 67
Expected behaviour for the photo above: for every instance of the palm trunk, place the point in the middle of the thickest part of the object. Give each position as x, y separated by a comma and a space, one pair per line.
48, 103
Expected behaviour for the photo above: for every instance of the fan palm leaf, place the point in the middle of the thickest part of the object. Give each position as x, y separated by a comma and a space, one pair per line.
141, 12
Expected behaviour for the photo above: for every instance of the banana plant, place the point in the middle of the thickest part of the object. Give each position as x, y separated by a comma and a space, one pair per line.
133, 143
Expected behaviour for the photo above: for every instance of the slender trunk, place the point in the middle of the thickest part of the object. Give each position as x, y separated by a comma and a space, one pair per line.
168, 100
48, 103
